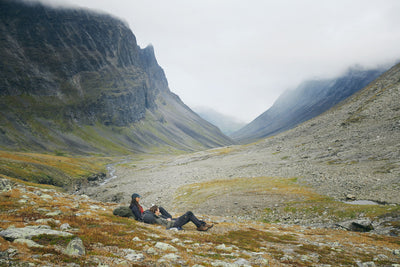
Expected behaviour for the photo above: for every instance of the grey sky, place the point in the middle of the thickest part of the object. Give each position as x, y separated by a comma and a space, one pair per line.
237, 57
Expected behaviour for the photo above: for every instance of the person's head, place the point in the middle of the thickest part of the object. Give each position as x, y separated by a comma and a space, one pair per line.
154, 209
135, 200
136, 197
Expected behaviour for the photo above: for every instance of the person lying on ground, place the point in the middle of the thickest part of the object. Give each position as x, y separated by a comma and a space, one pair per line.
138, 210
154, 216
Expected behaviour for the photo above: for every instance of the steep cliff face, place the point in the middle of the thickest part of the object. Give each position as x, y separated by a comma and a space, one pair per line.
67, 73
308, 100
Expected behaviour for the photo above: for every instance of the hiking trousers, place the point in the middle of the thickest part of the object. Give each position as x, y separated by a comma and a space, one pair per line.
187, 217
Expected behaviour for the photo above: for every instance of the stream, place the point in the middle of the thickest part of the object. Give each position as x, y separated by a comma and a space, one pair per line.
111, 171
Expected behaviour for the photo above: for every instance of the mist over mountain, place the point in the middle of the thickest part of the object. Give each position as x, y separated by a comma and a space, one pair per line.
76, 81
308, 100
227, 124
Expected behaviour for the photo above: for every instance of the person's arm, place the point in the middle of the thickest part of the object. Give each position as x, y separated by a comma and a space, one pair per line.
164, 222
165, 213
137, 213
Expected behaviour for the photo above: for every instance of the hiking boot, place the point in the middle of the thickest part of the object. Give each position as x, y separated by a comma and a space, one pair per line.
209, 225
202, 228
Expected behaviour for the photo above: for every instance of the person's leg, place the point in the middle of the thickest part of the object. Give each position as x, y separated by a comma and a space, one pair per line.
188, 217
165, 213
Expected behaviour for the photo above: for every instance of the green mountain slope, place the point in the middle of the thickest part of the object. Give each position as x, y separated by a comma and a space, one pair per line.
76, 81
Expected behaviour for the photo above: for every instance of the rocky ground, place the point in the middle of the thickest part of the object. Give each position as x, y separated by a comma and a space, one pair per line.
44, 227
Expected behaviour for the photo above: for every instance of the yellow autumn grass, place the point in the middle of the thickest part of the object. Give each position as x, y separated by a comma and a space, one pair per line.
49, 169
299, 198
199, 192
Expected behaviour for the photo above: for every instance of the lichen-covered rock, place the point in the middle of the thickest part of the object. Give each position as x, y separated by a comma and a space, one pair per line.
28, 232
75, 248
165, 246
5, 185
28, 242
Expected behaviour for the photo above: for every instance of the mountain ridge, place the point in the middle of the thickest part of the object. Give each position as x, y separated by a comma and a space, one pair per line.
76, 81
308, 100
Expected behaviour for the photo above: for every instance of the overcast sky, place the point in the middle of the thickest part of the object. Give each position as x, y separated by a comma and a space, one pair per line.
237, 57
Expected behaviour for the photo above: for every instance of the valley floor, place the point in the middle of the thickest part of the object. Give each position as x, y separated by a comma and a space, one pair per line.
251, 182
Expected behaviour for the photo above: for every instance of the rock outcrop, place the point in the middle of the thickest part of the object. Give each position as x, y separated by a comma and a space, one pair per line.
77, 81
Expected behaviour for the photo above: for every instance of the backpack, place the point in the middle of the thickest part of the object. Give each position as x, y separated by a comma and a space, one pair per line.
124, 211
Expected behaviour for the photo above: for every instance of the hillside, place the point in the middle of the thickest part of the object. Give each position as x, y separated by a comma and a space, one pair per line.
308, 100
41, 226
75, 81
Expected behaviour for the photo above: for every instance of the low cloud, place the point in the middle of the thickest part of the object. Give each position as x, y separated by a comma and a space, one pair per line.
238, 57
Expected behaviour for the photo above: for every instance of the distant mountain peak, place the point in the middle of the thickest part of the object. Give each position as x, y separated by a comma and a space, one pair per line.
309, 99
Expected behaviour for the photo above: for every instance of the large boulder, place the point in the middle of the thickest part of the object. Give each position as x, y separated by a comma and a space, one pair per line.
360, 225
28, 232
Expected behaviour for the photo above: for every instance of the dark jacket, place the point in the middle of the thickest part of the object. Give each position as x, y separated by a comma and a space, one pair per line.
136, 211
151, 218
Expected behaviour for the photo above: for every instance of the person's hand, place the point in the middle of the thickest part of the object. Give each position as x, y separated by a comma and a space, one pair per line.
169, 219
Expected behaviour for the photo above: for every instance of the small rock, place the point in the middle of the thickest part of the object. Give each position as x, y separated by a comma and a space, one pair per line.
135, 257
171, 257
151, 251
259, 260
54, 213
5, 185
12, 252
223, 264
43, 210
225, 248
380, 257
136, 239
154, 235
46, 197
350, 197
242, 262
286, 258
75, 248
47, 221
95, 207
28, 242
366, 264
165, 246
304, 258
396, 252
65, 227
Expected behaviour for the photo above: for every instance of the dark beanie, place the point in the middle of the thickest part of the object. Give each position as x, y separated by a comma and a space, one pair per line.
134, 195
